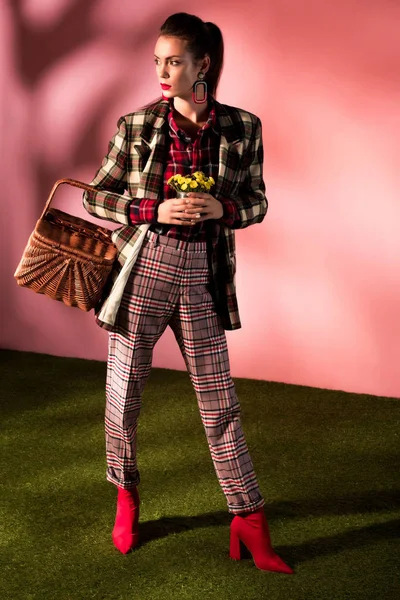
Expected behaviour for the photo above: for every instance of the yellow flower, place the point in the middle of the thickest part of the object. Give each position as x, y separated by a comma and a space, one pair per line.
195, 181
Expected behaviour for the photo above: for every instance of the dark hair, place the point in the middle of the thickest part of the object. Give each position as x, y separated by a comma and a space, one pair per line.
202, 38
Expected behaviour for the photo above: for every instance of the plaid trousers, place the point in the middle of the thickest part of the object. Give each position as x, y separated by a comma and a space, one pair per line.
168, 286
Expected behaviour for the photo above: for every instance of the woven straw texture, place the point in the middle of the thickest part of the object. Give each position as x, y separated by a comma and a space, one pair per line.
68, 259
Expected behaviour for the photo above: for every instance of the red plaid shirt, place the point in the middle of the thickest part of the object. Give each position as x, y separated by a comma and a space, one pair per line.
186, 157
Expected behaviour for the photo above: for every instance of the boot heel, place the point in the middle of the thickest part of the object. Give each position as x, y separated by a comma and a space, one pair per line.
234, 547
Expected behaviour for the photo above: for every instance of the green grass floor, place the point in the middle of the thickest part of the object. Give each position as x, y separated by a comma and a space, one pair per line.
327, 463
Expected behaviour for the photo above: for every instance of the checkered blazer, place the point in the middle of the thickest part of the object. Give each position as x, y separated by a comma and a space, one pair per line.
135, 163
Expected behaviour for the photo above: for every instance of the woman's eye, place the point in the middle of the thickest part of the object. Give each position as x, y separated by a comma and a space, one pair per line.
172, 61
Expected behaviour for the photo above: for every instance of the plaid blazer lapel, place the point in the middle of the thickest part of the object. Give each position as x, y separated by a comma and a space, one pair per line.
151, 153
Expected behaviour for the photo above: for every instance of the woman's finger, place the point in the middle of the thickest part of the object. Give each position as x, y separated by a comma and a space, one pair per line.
194, 211
204, 217
196, 201
181, 216
196, 208
179, 204
180, 222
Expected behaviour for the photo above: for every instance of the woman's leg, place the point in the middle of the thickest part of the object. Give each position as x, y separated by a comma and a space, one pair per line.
147, 304
202, 341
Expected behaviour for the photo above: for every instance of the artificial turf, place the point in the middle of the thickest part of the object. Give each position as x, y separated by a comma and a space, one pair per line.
327, 464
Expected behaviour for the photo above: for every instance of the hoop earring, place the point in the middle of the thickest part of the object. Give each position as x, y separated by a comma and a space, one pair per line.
200, 90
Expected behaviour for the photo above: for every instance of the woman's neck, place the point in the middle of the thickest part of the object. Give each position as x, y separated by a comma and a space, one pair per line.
186, 111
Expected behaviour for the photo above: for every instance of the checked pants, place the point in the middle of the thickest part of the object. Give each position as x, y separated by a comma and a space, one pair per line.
168, 286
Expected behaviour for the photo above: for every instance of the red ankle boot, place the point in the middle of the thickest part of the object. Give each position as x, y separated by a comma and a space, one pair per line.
125, 534
252, 530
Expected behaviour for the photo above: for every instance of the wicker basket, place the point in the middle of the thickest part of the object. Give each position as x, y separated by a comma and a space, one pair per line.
67, 258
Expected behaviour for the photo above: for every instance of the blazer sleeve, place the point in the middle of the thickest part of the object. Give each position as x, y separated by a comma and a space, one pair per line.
111, 180
251, 202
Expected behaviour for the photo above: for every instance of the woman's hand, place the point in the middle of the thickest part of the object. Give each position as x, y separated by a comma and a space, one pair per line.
196, 207
172, 212
203, 206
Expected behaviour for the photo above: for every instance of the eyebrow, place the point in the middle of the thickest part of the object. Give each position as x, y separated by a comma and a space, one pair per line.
177, 55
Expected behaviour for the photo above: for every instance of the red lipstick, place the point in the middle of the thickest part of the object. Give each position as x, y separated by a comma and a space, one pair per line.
165, 86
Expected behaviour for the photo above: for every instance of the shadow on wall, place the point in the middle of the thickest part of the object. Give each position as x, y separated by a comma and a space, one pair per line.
42, 49
66, 77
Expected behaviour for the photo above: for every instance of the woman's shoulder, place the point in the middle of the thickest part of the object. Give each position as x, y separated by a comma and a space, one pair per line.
144, 116
239, 114
141, 114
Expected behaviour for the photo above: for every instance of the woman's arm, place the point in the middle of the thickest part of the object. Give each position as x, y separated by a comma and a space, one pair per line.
110, 202
251, 202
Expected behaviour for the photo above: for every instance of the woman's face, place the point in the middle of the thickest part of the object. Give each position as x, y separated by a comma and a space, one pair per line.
175, 67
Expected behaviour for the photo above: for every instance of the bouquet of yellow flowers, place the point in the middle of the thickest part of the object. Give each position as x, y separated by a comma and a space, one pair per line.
196, 182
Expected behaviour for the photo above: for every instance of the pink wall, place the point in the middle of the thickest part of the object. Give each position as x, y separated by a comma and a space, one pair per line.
318, 281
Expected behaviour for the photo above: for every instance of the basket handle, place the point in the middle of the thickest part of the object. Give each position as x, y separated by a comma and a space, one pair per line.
74, 182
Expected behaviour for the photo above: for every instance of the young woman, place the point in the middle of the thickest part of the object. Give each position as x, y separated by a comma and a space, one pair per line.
184, 275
